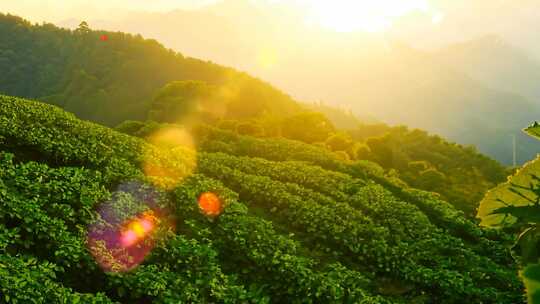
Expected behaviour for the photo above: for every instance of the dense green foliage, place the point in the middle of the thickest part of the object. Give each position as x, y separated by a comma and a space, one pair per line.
460, 174
182, 100
114, 80
129, 78
311, 214
299, 225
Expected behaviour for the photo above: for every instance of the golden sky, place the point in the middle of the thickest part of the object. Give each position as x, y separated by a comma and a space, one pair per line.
340, 15
58, 10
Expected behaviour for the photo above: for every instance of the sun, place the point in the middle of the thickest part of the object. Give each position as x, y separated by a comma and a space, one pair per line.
360, 15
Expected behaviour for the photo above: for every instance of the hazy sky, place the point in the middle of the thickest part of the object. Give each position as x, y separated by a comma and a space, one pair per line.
428, 22
347, 12
58, 10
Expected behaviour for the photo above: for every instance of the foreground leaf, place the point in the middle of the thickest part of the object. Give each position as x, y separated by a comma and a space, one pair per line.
514, 201
531, 277
534, 130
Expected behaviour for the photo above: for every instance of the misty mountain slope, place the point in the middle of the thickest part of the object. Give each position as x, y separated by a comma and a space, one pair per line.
114, 80
179, 26
287, 230
461, 92
462, 20
427, 94
496, 63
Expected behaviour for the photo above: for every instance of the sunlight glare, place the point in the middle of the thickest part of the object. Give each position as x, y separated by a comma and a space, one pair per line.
171, 158
365, 15
437, 18
267, 58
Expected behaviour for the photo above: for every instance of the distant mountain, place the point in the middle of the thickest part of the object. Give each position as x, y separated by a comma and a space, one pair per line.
417, 89
500, 65
516, 22
496, 63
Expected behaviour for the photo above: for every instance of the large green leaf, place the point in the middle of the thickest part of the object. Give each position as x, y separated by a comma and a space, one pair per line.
534, 130
531, 278
514, 200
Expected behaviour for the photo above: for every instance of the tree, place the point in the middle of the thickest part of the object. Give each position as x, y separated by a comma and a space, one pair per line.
249, 128
381, 151
339, 142
418, 166
343, 155
431, 179
308, 127
83, 28
130, 127
180, 99
271, 124
361, 151
228, 124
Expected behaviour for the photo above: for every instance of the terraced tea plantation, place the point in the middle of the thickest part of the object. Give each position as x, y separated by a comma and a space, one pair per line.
294, 225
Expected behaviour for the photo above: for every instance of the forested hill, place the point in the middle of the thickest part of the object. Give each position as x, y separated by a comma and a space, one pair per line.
460, 173
110, 77
295, 223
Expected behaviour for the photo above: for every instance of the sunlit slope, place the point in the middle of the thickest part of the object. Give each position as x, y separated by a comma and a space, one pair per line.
112, 80
468, 92
298, 225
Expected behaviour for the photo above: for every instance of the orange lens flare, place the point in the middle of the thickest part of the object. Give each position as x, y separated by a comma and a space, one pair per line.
210, 204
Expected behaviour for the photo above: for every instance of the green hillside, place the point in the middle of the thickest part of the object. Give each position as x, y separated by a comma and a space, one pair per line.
464, 92
460, 173
115, 80
298, 224
130, 78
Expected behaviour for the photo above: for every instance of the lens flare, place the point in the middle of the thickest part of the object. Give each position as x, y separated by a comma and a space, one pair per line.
171, 158
365, 15
127, 226
210, 204
172, 137
138, 229
267, 58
